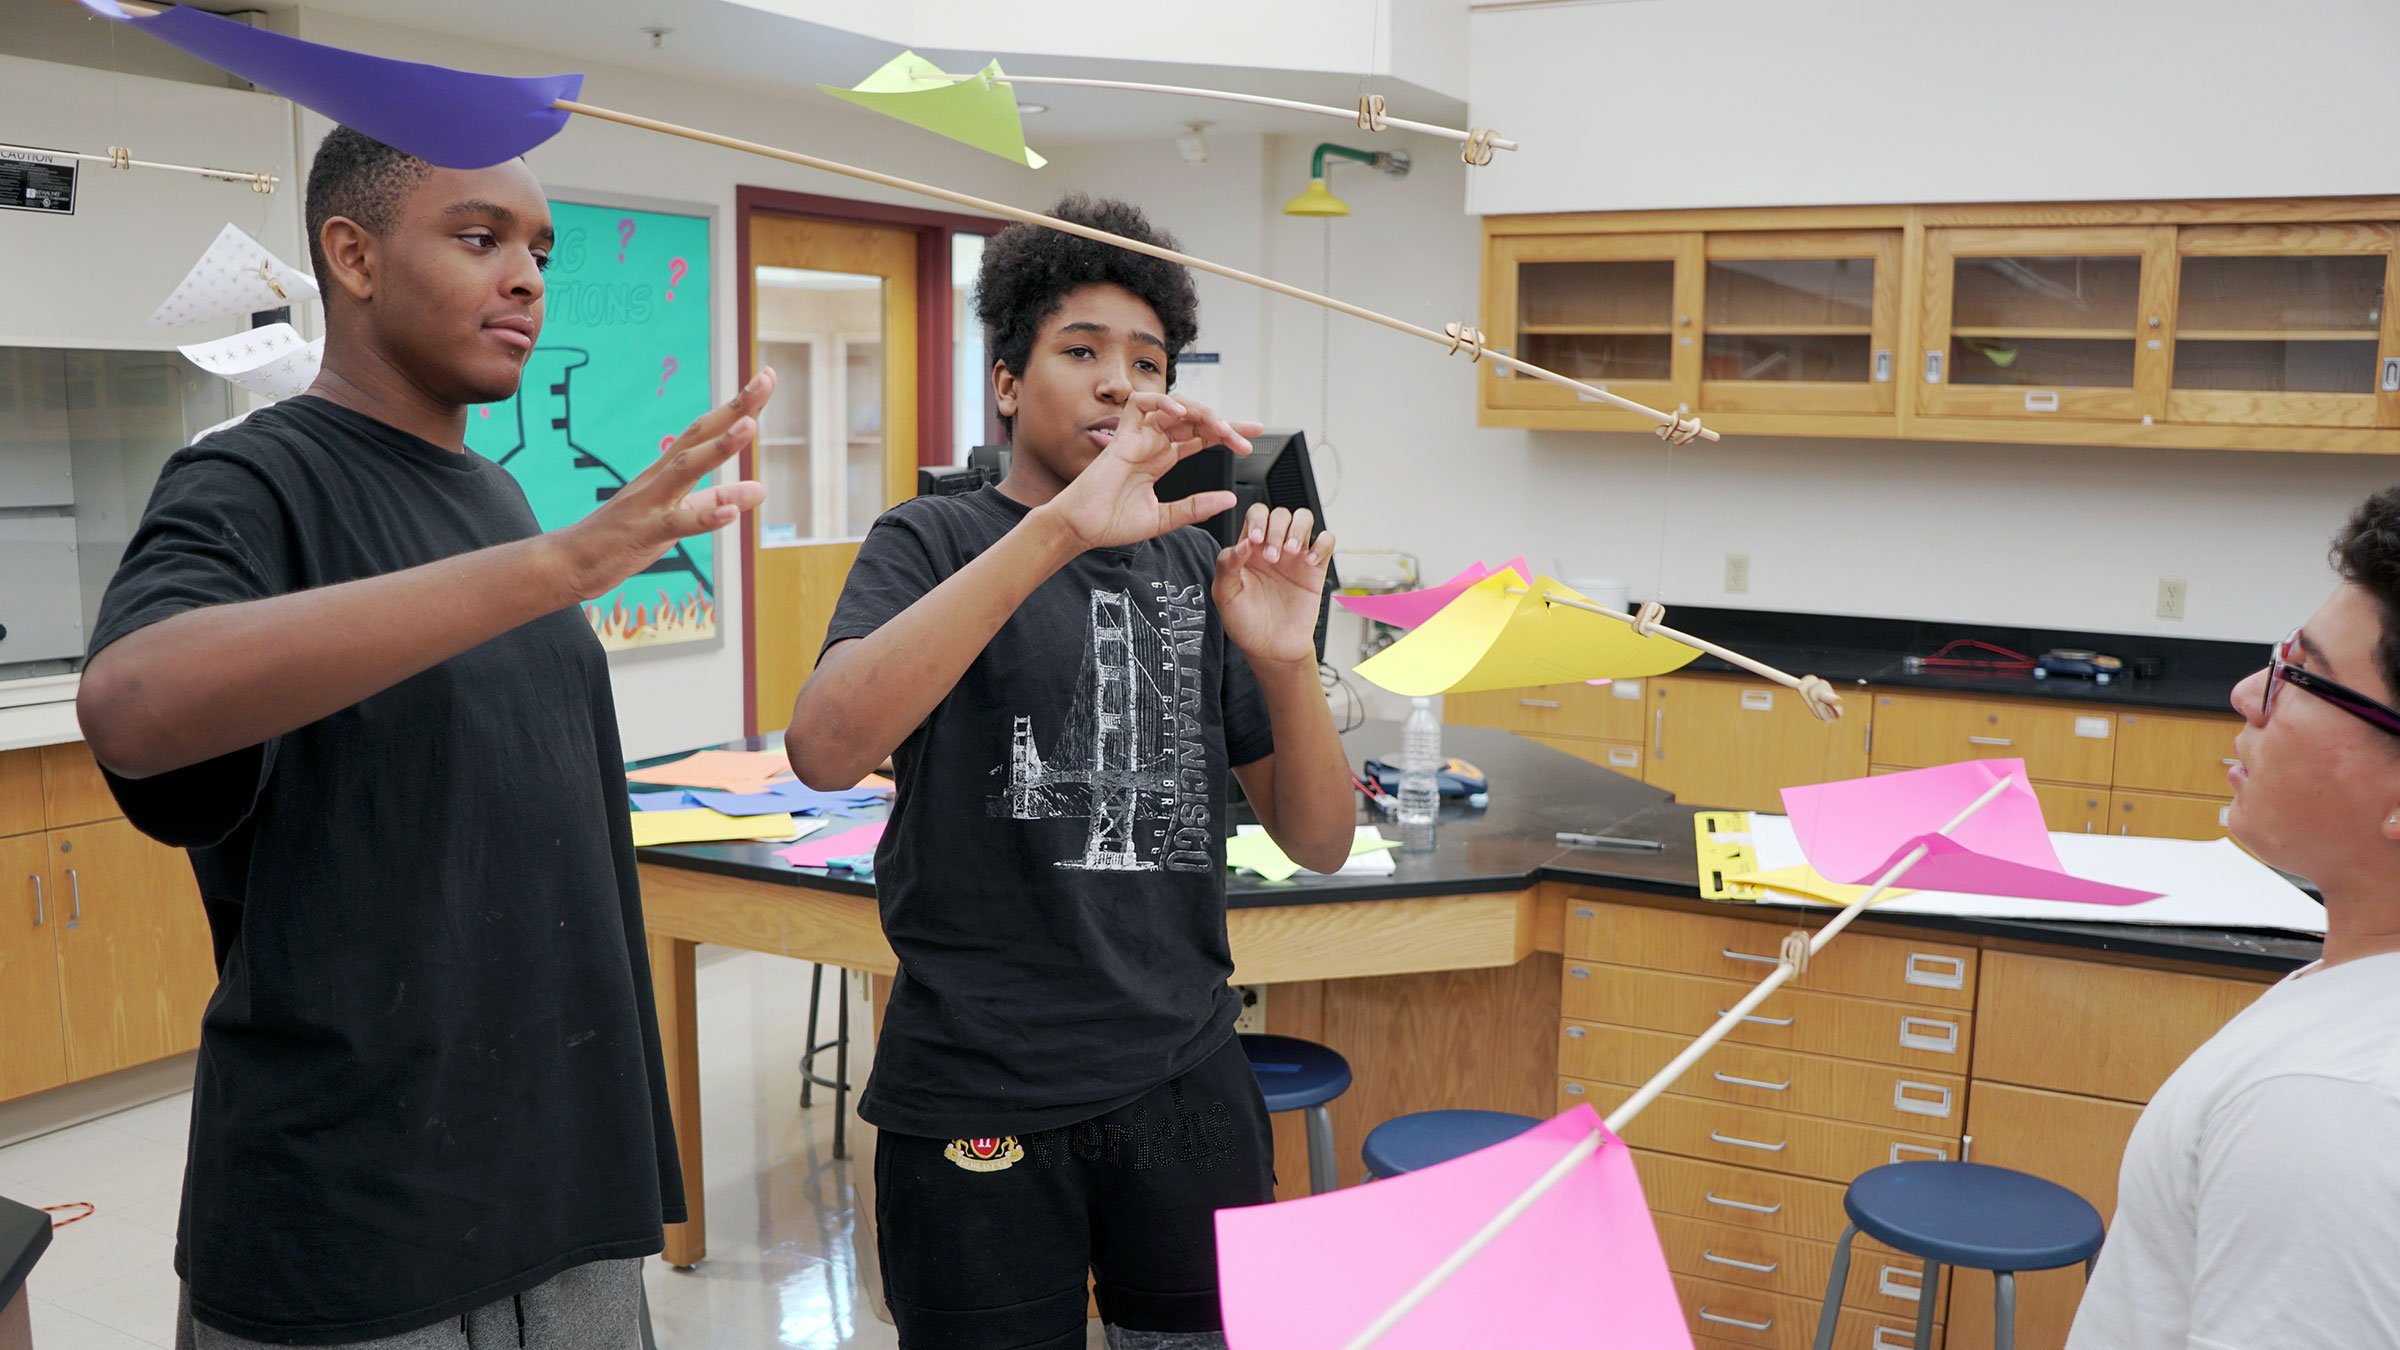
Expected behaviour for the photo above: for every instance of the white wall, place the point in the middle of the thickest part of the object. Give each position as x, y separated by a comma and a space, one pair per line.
1670, 103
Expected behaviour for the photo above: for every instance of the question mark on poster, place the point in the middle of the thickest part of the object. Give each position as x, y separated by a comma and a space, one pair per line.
676, 267
665, 443
666, 370
624, 236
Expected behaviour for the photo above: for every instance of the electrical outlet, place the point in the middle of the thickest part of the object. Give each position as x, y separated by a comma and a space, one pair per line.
1737, 574
1253, 1021
2170, 597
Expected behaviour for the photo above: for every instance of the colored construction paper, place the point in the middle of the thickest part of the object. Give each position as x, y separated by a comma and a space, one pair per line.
1806, 881
454, 118
674, 799
876, 782
1582, 1266
235, 278
273, 362
1410, 609
699, 827
822, 851
981, 111
1254, 849
767, 803
1487, 638
718, 770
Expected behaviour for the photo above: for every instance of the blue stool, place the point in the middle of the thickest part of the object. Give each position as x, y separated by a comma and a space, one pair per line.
1298, 1075
1422, 1138
1964, 1214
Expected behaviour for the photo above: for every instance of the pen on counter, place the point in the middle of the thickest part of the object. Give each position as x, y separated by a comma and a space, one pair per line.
1570, 839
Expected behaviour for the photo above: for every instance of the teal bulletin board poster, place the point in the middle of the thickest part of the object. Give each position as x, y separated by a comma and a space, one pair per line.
622, 367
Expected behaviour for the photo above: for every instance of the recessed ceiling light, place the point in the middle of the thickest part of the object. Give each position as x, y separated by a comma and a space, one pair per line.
1029, 109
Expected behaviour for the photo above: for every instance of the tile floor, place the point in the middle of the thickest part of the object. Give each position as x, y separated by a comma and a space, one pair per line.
780, 1268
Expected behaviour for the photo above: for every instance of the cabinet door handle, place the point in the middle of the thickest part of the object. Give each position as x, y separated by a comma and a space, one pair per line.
1889, 1338
1759, 1083
1901, 1153
1574, 1033
1901, 1282
1537, 703
1707, 1316
40, 910
1716, 1137
1926, 1033
2229, 761
1743, 1205
1991, 740
1715, 1260
1936, 972
1932, 1100
1731, 955
1762, 1021
1586, 912
74, 899
1573, 1089
1658, 734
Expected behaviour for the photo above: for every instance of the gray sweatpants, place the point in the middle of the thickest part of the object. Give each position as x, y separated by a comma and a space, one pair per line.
592, 1307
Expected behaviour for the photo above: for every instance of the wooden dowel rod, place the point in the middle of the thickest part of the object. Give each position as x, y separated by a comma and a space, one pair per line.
1349, 115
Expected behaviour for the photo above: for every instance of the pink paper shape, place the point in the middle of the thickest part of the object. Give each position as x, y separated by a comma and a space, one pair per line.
1407, 609
847, 844
1583, 1266
718, 770
1853, 831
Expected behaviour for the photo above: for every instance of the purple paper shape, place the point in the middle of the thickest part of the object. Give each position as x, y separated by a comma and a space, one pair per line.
767, 803
1582, 1266
1408, 609
674, 799
822, 852
455, 118
802, 799
1853, 831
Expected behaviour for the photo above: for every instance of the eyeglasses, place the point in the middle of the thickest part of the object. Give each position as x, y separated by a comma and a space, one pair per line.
2281, 670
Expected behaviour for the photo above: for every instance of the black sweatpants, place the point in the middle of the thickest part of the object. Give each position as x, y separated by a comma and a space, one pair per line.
985, 1243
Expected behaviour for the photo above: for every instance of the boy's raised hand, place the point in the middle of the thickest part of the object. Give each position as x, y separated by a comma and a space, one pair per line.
645, 518
1270, 583
1114, 501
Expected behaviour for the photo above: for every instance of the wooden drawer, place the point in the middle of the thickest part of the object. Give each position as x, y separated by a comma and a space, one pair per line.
1623, 756
2161, 753
1732, 1315
1741, 1197
72, 787
1777, 1080
1881, 1280
1724, 947
2159, 816
2125, 1029
1830, 1150
1791, 1019
2059, 745
1605, 712
20, 792
2073, 810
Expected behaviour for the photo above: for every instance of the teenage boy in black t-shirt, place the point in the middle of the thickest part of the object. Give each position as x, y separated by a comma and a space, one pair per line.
1064, 672
342, 665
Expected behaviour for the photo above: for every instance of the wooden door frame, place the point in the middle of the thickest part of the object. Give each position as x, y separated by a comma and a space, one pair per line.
933, 230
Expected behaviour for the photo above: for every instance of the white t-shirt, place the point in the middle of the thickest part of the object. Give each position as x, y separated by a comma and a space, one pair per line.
2259, 1205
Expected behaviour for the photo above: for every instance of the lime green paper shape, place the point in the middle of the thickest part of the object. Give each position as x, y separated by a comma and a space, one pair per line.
981, 111
1490, 639
1256, 851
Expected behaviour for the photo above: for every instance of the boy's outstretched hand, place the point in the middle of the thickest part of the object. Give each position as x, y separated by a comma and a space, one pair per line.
645, 518
1114, 501
1270, 583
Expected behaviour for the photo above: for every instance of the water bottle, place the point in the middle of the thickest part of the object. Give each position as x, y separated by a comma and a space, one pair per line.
1420, 767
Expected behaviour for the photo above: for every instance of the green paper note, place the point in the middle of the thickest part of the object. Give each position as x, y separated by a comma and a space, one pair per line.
981, 112
1256, 850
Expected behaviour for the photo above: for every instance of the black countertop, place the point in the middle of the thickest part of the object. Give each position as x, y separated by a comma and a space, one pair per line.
1512, 843
24, 1234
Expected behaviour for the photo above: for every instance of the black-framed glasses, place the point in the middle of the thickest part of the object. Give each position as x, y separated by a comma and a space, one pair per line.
2281, 670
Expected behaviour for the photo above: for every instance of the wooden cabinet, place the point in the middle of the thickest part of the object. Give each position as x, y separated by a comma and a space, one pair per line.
1738, 743
21, 792
2058, 744
2168, 752
2285, 325
2030, 321
2074, 810
33, 1053
1613, 310
2141, 1023
2161, 816
1803, 322
1604, 712
73, 792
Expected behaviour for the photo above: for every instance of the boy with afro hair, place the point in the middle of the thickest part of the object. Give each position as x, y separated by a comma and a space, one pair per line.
1064, 670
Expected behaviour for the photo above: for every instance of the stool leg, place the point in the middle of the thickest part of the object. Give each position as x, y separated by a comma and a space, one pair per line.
1321, 1163
808, 1045
1927, 1288
1833, 1288
649, 1335
841, 1066
2004, 1310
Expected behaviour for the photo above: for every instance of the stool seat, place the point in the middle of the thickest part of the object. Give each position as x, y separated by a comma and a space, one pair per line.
1974, 1215
1420, 1139
1294, 1074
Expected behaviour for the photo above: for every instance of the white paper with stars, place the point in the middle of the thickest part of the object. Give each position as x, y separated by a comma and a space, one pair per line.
235, 279
271, 362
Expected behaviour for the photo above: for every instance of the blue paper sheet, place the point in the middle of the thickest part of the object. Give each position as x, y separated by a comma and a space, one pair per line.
674, 799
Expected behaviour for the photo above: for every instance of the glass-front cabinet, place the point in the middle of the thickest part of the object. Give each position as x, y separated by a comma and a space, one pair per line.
1803, 322
2287, 325
1617, 311
2040, 322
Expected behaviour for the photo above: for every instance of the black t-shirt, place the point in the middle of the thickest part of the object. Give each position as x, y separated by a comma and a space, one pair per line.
1053, 876
430, 1075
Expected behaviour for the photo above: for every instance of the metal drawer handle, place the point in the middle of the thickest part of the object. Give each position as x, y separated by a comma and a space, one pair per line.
1731, 955
1743, 1205
1922, 1153
74, 899
1579, 972
1762, 1021
1759, 1083
40, 909
1715, 1137
1941, 1038
1895, 1338
1715, 1260
1574, 1033
1537, 703
1937, 972
1707, 1316
1573, 1089
1890, 1283
1586, 912
2228, 761
1990, 740
1938, 1108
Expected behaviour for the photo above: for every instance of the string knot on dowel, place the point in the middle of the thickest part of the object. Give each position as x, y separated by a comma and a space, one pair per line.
1477, 152
120, 157
1647, 619
1795, 951
1681, 429
1466, 338
1370, 113
264, 185
266, 273
1822, 702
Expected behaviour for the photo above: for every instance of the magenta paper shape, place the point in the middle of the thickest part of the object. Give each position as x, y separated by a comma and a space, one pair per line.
1853, 831
454, 118
820, 852
1407, 609
1581, 1267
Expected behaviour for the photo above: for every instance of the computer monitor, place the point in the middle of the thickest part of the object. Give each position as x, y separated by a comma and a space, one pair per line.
1277, 471
1211, 469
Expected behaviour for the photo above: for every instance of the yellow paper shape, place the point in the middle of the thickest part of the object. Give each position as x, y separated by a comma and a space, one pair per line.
697, 827
1804, 881
1256, 851
1490, 639
981, 112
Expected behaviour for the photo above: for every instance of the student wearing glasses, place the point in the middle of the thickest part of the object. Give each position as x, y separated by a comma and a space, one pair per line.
2260, 1199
